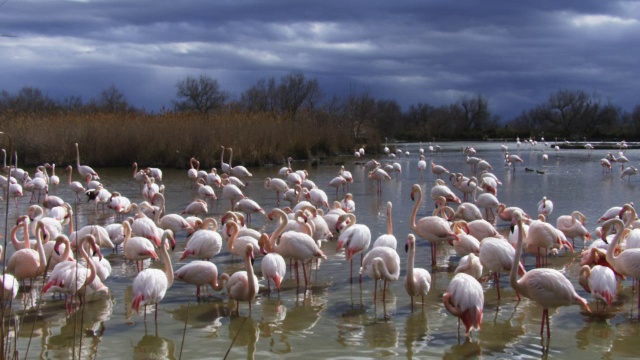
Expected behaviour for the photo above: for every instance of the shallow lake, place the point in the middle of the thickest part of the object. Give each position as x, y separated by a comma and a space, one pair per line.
335, 318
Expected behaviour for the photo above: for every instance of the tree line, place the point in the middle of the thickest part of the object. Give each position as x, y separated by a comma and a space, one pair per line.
297, 118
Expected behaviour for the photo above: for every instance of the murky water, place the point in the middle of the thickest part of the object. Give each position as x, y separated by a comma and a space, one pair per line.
334, 318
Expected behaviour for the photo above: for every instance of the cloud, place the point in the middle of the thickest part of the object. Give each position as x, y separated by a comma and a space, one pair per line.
515, 54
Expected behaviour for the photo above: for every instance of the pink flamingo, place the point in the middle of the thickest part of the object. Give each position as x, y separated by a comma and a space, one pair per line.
205, 243
600, 282
432, 228
201, 273
547, 287
273, 268
417, 281
293, 244
150, 285
84, 170
243, 285
627, 263
464, 298
381, 263
356, 238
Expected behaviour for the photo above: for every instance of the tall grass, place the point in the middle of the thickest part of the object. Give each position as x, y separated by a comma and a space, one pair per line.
170, 139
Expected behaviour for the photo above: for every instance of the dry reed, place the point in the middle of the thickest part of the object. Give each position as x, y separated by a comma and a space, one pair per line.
171, 139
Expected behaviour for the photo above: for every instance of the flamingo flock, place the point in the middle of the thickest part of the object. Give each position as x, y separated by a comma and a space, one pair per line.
287, 238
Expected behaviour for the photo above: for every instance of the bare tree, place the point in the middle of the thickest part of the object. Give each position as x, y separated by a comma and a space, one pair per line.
292, 94
200, 94
112, 99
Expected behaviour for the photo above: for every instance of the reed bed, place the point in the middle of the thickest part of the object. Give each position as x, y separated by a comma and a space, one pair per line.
171, 139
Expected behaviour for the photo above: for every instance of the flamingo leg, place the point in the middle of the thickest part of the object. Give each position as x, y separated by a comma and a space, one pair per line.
384, 291
375, 289
304, 272
495, 276
361, 258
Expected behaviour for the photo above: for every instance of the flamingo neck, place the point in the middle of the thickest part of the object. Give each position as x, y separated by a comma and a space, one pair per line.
513, 274
40, 248
126, 229
282, 217
411, 262
168, 268
234, 235
219, 285
249, 268
14, 239
611, 258
414, 211
91, 266
389, 222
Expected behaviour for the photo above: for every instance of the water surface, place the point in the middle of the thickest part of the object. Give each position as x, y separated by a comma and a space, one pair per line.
334, 318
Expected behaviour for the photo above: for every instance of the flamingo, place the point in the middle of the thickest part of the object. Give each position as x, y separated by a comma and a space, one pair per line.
422, 166
466, 243
547, 287
381, 263
346, 175
432, 228
611, 213
295, 245
600, 282
75, 186
627, 263
440, 189
174, 222
387, 239
486, 201
496, 255
205, 243
338, 182
506, 213
356, 238
238, 170
606, 165
622, 160
347, 204
201, 273
196, 208
9, 287
273, 268
150, 285
243, 285
84, 170
572, 226
249, 207
192, 173
136, 248
378, 175
317, 197
226, 168
277, 185
232, 193
438, 170
628, 172
236, 244
545, 206
70, 277
417, 281
541, 235
154, 173
464, 298
54, 179
512, 159
206, 191
470, 265
27, 263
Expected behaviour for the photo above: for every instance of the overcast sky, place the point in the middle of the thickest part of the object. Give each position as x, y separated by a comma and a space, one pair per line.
514, 53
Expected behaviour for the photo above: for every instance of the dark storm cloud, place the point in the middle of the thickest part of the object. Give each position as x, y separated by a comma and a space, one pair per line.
515, 54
